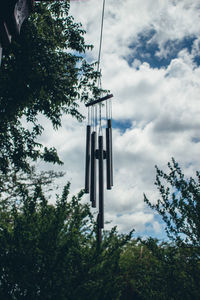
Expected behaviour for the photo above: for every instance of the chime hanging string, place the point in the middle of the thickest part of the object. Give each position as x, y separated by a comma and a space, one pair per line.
93, 118
100, 125
98, 63
89, 116
100, 110
109, 109
101, 36
96, 120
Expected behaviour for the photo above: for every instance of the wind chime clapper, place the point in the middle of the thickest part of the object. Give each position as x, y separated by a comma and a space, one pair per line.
95, 151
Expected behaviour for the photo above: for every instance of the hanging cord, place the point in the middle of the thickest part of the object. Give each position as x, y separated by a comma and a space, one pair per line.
110, 109
100, 110
100, 126
89, 116
101, 36
107, 110
96, 121
92, 114
98, 64
92, 118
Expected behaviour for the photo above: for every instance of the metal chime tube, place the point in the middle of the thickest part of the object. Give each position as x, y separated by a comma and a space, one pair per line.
93, 170
111, 156
87, 160
101, 194
108, 159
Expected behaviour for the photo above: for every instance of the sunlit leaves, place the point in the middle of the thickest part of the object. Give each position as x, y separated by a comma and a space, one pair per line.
43, 72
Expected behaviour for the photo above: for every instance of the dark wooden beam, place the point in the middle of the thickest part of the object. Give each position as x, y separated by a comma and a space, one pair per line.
99, 100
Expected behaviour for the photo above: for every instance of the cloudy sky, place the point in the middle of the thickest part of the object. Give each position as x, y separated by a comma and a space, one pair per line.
151, 63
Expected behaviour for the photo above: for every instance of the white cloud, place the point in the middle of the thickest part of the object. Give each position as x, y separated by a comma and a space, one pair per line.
129, 221
162, 104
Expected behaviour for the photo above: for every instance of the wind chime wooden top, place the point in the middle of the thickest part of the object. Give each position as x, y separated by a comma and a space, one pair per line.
95, 152
99, 100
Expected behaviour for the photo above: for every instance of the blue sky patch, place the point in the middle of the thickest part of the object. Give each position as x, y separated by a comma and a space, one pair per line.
195, 140
122, 125
145, 50
197, 60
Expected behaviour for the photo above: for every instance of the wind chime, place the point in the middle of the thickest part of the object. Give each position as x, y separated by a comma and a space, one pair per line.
95, 152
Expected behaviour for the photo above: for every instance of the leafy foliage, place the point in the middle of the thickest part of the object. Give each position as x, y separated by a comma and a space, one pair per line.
50, 251
12, 184
153, 270
179, 206
43, 72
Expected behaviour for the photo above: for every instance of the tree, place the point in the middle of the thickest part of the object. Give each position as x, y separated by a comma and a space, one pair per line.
42, 246
11, 184
179, 208
43, 72
179, 205
50, 251
158, 270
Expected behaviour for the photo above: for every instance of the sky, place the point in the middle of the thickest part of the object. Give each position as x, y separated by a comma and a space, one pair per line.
151, 63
